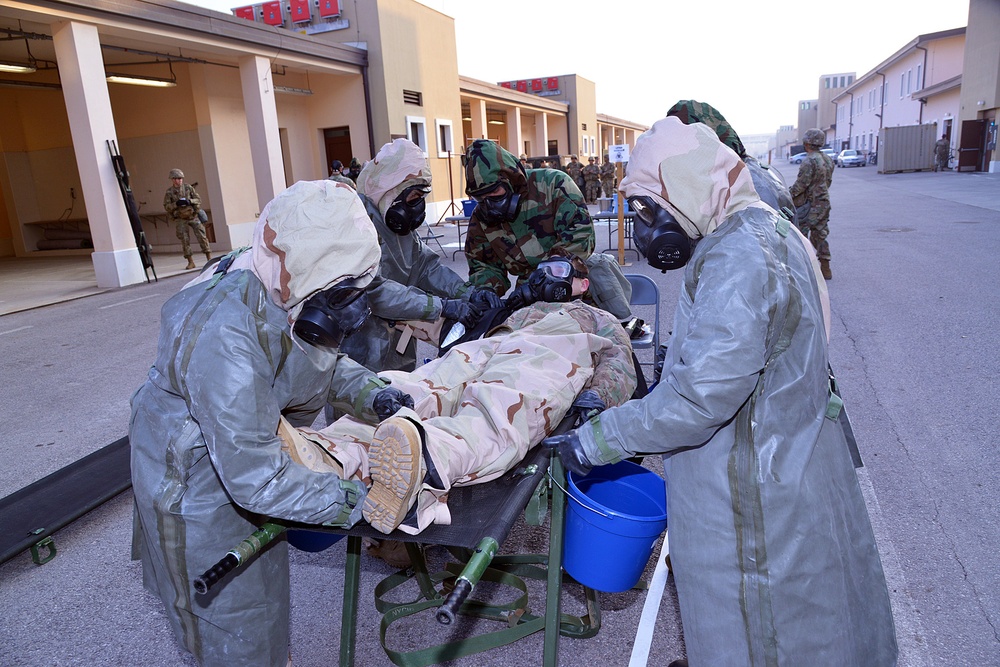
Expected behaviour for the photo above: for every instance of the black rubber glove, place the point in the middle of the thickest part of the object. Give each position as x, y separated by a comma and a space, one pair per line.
570, 451
484, 299
389, 400
588, 404
455, 310
521, 296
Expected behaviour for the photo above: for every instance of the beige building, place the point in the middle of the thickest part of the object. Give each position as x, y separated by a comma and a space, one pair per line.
979, 98
918, 84
245, 105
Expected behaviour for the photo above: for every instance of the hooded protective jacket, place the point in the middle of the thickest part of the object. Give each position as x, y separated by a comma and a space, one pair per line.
207, 464
773, 555
551, 214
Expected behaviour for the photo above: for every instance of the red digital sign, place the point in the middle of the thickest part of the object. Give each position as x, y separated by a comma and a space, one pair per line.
553, 83
536, 85
272, 13
328, 8
522, 86
506, 84
244, 13
299, 10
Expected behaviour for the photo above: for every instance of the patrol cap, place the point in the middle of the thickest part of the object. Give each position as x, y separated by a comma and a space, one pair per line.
573, 157
176, 173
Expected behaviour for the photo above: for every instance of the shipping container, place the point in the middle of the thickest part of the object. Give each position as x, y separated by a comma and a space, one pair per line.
906, 148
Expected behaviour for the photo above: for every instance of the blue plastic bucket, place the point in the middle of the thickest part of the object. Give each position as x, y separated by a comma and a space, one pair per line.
311, 540
613, 519
468, 206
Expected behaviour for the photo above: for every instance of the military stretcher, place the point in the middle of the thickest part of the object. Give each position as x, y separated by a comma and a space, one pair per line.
482, 518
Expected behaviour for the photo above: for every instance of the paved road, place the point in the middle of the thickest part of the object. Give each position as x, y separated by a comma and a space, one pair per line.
913, 342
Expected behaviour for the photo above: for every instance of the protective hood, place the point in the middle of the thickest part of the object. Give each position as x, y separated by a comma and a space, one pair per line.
685, 169
398, 165
310, 237
486, 163
692, 111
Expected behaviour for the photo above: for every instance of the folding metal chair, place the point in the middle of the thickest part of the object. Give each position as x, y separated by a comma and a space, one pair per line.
646, 293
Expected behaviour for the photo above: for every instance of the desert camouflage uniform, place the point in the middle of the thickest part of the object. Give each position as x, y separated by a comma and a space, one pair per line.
813, 187
552, 214
608, 178
592, 182
485, 403
575, 171
186, 216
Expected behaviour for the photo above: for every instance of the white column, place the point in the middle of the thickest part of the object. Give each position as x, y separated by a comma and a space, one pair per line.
515, 144
262, 123
88, 105
541, 133
478, 109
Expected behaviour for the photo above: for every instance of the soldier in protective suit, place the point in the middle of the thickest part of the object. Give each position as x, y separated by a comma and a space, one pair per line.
812, 187
481, 406
521, 217
773, 554
412, 283
237, 352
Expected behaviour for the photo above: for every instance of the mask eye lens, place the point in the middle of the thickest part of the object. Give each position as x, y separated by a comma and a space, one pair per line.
644, 208
340, 296
557, 269
497, 194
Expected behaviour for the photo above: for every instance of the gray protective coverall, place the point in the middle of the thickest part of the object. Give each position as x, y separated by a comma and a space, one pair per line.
411, 280
773, 555
207, 464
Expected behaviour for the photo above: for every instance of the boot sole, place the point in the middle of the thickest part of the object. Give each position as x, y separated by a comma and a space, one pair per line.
395, 463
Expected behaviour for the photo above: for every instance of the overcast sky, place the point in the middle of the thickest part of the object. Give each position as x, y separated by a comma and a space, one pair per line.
752, 60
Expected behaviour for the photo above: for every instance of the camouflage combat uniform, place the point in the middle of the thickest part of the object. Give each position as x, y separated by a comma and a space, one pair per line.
608, 178
813, 187
486, 402
575, 171
186, 216
592, 182
551, 214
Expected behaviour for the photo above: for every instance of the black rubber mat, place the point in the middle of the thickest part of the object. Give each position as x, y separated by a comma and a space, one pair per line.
40, 509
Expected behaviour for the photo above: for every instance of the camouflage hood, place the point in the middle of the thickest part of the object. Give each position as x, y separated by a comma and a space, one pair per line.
310, 237
685, 169
398, 165
486, 163
692, 111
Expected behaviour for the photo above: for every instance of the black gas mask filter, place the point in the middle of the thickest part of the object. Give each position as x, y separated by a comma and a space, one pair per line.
330, 316
658, 235
407, 211
551, 281
500, 207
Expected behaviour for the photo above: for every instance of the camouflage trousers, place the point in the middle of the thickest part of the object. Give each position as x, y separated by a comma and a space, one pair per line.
608, 185
199, 233
481, 406
593, 191
815, 226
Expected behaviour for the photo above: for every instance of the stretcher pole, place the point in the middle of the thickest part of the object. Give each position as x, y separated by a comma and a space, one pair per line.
550, 647
470, 576
236, 557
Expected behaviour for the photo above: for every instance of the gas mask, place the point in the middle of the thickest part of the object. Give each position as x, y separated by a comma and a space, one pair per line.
500, 207
658, 235
407, 211
330, 316
551, 281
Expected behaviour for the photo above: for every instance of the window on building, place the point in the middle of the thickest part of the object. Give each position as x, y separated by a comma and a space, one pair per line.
827, 82
416, 131
920, 69
583, 126
842, 84
850, 79
902, 84
909, 81
444, 137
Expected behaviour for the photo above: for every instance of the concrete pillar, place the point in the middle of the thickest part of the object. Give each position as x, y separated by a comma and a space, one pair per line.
88, 105
478, 109
541, 133
262, 123
515, 140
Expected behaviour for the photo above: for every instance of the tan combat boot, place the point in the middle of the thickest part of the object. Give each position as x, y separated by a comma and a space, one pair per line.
208, 256
190, 263
395, 458
824, 266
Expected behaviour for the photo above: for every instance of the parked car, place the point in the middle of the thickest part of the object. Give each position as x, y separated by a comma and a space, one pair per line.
797, 158
832, 154
851, 158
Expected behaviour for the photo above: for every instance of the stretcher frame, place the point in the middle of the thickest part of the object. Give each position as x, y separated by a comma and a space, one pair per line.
527, 489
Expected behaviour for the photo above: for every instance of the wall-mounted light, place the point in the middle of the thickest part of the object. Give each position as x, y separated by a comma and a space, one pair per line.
494, 117
17, 68
137, 80
980, 103
292, 91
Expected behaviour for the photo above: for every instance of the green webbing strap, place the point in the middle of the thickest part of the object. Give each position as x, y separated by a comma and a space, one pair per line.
373, 384
429, 308
538, 504
223, 266
608, 455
